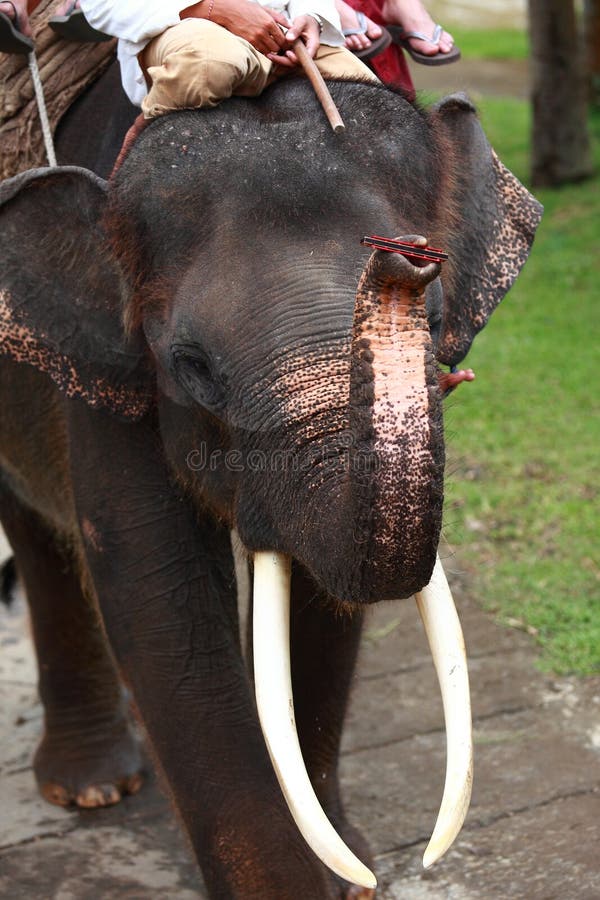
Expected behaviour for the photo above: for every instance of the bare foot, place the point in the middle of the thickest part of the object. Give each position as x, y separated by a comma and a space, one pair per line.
412, 16
350, 22
22, 23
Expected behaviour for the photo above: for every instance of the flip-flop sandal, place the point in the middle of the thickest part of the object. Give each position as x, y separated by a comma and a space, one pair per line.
378, 45
403, 38
11, 38
75, 27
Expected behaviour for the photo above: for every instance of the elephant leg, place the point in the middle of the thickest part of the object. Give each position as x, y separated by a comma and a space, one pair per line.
88, 754
325, 645
163, 574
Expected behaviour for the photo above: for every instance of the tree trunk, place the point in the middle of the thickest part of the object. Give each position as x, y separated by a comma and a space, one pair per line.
560, 145
592, 47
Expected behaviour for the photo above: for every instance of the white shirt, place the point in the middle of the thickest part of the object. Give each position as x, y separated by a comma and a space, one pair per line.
136, 22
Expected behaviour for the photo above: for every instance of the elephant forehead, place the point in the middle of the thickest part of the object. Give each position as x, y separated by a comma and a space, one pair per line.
270, 152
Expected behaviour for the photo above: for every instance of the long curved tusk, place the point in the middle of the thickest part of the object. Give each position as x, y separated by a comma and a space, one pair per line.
446, 641
273, 684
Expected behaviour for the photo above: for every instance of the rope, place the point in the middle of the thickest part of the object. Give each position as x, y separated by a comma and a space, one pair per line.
41, 105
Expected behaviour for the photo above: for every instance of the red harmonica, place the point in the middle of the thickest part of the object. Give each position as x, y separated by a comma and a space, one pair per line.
432, 254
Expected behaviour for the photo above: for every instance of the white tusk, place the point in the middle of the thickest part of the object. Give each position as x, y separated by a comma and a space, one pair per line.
447, 645
273, 683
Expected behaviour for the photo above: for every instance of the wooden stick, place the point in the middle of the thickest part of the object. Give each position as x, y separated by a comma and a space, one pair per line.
320, 88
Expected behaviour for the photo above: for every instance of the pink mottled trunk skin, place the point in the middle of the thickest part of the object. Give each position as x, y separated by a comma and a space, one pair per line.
394, 374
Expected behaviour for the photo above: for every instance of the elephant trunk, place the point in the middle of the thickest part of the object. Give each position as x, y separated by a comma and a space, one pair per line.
395, 415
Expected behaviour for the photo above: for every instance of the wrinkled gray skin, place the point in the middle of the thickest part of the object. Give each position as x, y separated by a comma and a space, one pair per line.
192, 347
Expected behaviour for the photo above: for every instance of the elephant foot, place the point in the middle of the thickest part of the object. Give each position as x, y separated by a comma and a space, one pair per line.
88, 769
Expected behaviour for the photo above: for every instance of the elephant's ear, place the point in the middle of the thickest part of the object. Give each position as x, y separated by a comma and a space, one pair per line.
494, 219
60, 291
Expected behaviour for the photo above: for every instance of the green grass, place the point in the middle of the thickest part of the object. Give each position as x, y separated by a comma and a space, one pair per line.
524, 438
501, 43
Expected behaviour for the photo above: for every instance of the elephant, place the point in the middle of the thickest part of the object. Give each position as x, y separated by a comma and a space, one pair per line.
201, 345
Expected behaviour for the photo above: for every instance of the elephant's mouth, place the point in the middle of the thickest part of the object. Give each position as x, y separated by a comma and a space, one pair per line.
272, 573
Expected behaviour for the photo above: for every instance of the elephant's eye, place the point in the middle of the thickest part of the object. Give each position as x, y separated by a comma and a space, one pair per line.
198, 376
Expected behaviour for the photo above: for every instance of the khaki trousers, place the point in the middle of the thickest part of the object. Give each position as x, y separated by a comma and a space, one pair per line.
197, 63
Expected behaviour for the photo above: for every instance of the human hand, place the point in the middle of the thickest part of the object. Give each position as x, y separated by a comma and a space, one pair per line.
279, 17
254, 23
307, 29
22, 22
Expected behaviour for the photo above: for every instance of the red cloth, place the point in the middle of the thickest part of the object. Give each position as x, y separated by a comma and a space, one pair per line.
390, 65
